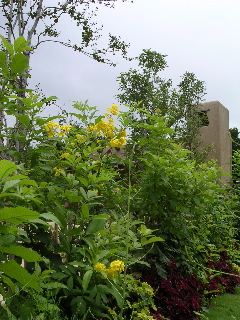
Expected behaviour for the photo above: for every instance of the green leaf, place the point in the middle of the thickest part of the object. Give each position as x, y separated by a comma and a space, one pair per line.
51, 217
20, 44
6, 168
117, 295
86, 279
95, 226
19, 63
9, 282
145, 241
17, 215
70, 283
3, 63
74, 232
54, 285
9, 184
7, 239
15, 271
24, 119
85, 211
25, 253
7, 45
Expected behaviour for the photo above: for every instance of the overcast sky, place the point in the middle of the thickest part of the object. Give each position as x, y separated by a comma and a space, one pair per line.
199, 36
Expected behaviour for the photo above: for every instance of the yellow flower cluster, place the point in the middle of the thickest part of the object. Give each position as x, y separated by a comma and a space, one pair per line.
116, 267
65, 155
80, 138
53, 128
58, 171
118, 143
113, 110
104, 128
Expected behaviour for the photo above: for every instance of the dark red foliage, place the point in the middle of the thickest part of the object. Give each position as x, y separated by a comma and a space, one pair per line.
228, 282
178, 297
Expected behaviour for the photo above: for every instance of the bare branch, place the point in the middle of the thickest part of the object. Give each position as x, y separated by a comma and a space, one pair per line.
31, 31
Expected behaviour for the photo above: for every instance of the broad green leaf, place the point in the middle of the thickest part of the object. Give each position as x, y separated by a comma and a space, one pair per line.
19, 63
117, 295
145, 241
86, 279
28, 182
24, 253
3, 63
9, 184
85, 211
70, 283
51, 217
24, 119
15, 271
17, 215
54, 285
74, 232
9, 282
20, 44
6, 168
95, 226
7, 239
8, 229
7, 45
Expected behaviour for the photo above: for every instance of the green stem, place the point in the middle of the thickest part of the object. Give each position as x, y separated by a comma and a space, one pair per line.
127, 231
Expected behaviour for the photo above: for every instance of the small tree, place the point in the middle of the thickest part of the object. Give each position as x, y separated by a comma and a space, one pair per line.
144, 90
37, 22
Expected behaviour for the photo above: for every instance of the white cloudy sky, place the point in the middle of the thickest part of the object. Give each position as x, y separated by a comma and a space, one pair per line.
199, 36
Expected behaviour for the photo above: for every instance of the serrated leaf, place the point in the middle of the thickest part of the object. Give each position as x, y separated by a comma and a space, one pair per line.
86, 279
15, 271
17, 215
24, 253
6, 168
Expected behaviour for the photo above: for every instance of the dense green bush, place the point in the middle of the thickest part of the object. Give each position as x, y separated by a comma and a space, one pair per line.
86, 220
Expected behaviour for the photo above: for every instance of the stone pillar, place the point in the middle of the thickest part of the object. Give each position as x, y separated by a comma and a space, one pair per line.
216, 133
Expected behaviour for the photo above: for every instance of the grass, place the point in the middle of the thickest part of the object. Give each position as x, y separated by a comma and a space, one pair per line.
224, 307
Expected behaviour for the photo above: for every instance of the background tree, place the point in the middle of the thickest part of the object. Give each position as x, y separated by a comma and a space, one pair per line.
144, 90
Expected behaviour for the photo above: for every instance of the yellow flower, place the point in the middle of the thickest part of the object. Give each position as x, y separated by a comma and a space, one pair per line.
72, 144
114, 110
65, 155
91, 128
51, 128
123, 133
80, 138
118, 143
58, 171
117, 265
111, 273
66, 128
100, 267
